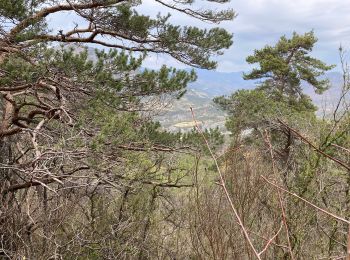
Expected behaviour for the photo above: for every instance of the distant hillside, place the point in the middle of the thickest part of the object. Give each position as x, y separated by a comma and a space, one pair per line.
216, 83
219, 83
210, 84
329, 98
199, 96
177, 116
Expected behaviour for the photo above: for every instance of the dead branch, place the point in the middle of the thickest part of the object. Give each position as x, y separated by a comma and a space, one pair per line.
305, 140
306, 201
227, 194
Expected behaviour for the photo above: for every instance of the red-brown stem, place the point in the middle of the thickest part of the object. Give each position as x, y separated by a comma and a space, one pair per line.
284, 218
306, 201
227, 194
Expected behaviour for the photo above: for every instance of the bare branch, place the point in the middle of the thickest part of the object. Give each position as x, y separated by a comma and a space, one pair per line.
304, 139
271, 240
227, 194
306, 201
54, 9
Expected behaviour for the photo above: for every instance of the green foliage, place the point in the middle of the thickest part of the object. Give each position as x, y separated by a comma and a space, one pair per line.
286, 65
252, 109
13, 9
197, 44
127, 20
213, 136
188, 44
83, 132
18, 9
153, 132
282, 69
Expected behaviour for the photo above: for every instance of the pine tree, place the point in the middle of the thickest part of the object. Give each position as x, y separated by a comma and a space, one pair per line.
283, 71
74, 124
284, 67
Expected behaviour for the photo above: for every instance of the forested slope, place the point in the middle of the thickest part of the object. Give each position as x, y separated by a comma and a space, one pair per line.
87, 172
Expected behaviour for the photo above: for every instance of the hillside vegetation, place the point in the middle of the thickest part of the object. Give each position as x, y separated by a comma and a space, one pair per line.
102, 158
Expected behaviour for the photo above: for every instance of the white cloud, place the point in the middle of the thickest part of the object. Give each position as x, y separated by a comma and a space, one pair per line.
262, 22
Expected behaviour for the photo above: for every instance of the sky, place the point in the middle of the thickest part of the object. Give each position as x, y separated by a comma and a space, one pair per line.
261, 22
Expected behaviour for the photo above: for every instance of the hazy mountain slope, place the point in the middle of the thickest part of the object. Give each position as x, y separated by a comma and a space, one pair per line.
177, 116
218, 83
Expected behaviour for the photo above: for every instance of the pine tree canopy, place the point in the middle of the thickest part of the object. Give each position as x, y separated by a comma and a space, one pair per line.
283, 67
115, 23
